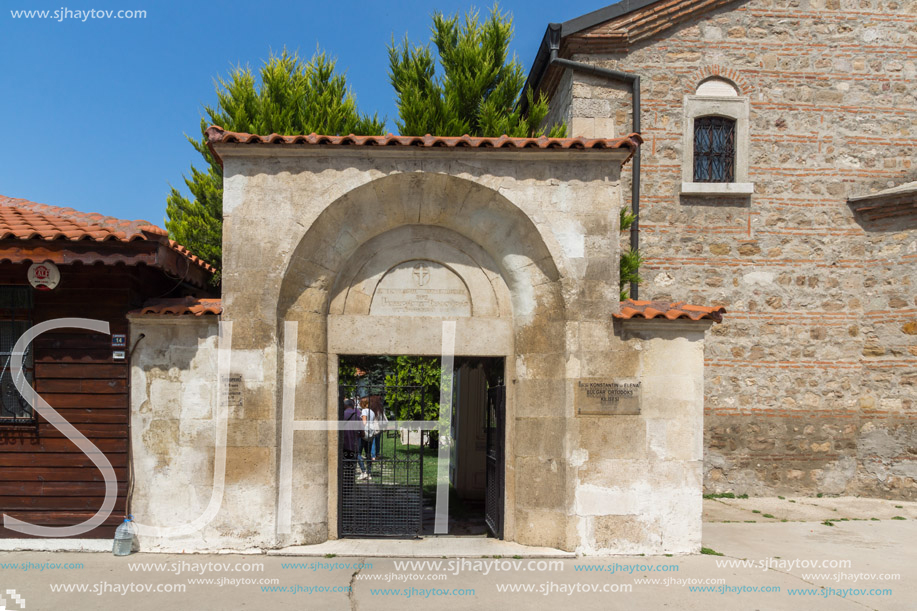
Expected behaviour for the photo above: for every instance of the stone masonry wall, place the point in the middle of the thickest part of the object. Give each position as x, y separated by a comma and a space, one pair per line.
810, 383
174, 401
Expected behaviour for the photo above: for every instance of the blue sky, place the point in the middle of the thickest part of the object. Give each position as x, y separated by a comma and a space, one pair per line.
95, 111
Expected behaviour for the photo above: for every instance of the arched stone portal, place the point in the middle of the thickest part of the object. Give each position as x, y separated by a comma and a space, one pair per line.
363, 281
363, 245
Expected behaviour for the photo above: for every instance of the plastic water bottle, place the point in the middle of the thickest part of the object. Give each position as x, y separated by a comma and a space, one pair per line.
124, 538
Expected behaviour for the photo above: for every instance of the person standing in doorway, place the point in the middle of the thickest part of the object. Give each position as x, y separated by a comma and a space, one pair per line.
361, 386
351, 439
366, 443
379, 419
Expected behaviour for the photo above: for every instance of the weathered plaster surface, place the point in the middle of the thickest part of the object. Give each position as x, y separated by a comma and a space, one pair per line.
529, 241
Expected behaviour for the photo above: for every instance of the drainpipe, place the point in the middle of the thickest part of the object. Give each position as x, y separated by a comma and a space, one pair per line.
554, 35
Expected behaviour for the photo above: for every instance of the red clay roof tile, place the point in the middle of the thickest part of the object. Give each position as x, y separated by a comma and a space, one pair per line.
631, 309
21, 219
217, 135
182, 306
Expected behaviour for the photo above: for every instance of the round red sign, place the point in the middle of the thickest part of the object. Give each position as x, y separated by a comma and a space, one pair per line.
44, 276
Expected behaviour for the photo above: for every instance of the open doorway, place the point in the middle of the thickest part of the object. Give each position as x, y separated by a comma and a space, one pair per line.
388, 486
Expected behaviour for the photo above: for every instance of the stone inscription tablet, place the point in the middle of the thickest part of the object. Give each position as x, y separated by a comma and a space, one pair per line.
607, 397
232, 385
421, 288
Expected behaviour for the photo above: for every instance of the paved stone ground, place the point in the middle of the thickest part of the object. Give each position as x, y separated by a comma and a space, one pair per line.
875, 547
795, 509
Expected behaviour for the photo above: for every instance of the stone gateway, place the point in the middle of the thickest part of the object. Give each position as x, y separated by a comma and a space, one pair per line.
367, 246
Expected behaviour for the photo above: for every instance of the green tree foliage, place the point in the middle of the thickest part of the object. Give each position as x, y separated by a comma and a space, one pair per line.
479, 88
289, 96
630, 259
422, 402
411, 383
365, 370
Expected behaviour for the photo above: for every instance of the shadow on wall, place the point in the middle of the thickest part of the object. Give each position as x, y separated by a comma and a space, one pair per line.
476, 212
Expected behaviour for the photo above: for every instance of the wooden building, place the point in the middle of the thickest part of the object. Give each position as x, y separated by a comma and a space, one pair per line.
102, 268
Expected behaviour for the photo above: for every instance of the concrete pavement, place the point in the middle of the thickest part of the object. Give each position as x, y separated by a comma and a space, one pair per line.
861, 547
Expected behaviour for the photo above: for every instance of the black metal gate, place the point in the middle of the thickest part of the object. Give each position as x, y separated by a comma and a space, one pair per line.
495, 458
381, 492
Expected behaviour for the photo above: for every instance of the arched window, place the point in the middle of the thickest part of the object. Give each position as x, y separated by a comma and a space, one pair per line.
716, 141
714, 149
718, 88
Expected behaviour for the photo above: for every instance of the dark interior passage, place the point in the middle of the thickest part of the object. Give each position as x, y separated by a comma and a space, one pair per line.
388, 485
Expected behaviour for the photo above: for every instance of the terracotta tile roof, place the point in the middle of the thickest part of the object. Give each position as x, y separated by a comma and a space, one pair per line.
25, 220
187, 253
181, 306
217, 135
631, 309
616, 28
21, 219
634, 22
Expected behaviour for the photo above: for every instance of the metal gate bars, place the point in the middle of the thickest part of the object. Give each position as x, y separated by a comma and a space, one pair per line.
495, 460
381, 485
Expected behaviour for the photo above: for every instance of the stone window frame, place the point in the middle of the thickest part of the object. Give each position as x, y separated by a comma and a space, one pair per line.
735, 108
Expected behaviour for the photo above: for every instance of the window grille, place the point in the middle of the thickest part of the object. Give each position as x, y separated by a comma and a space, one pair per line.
714, 149
15, 319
